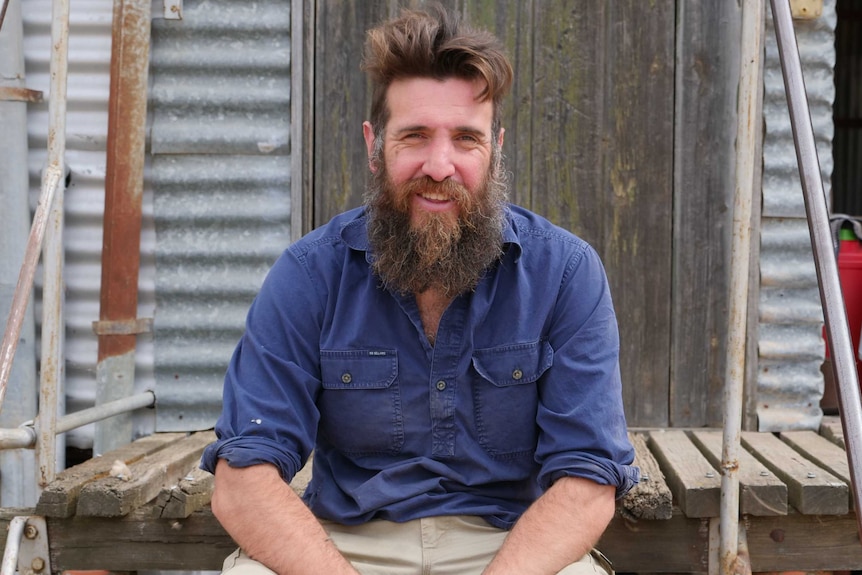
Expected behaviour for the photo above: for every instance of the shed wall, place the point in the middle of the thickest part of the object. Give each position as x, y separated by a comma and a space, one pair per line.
220, 105
791, 348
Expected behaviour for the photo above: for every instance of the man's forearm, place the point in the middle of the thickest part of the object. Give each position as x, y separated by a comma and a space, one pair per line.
272, 524
557, 530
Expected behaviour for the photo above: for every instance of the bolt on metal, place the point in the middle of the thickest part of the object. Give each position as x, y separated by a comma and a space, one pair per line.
30, 532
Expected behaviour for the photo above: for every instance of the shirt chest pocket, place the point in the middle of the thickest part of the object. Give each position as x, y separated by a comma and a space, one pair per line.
360, 403
506, 397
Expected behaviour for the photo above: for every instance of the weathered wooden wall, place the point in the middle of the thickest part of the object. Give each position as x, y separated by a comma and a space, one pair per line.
620, 128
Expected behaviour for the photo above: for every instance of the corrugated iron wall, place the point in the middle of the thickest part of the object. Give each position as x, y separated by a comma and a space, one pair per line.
86, 136
791, 348
220, 106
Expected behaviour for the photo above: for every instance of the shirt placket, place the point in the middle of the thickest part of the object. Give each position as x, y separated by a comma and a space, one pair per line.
443, 379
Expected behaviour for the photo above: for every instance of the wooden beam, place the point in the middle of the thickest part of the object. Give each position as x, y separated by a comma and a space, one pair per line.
831, 429
797, 542
695, 484
760, 491
191, 493
810, 489
116, 496
60, 497
821, 451
651, 498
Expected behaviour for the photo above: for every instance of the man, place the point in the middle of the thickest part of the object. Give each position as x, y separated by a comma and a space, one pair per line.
451, 359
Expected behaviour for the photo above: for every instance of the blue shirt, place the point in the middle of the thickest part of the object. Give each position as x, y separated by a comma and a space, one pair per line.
521, 387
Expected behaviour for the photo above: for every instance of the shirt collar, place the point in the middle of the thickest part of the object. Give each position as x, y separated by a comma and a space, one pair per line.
355, 234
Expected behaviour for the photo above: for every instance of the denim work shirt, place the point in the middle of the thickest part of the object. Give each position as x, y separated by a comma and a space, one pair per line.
521, 387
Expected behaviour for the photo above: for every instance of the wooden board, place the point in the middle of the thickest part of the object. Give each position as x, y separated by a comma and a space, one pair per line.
695, 484
804, 543
114, 496
821, 451
605, 171
188, 495
707, 73
810, 489
60, 498
651, 498
760, 491
137, 541
831, 429
676, 545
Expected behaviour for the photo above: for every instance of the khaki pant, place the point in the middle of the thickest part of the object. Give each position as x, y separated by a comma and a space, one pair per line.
457, 545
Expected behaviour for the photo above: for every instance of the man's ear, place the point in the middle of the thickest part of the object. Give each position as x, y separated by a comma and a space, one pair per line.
500, 137
368, 134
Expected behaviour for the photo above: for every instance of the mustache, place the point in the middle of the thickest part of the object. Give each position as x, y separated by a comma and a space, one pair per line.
425, 184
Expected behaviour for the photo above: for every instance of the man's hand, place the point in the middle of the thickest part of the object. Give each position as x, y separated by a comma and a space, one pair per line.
272, 524
557, 530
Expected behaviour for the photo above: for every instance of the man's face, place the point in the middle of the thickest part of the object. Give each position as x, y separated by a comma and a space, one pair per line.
437, 194
437, 132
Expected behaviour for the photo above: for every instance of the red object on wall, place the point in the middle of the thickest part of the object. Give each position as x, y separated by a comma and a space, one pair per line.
850, 275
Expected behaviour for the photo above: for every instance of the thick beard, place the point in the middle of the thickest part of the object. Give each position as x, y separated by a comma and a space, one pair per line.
439, 253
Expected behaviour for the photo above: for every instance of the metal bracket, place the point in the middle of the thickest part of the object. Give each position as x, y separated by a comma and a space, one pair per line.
123, 327
34, 555
12, 94
173, 9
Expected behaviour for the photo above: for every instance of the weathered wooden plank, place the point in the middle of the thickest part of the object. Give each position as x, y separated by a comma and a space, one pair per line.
695, 484
651, 498
810, 489
675, 545
804, 543
819, 450
680, 545
138, 541
114, 496
605, 172
60, 498
760, 491
831, 429
188, 495
707, 72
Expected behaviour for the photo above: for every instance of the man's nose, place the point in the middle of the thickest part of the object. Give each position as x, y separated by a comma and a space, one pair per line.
439, 163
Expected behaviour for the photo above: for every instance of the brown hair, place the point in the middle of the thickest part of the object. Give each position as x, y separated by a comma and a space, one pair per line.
437, 45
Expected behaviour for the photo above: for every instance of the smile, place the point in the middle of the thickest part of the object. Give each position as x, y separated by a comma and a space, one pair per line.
435, 197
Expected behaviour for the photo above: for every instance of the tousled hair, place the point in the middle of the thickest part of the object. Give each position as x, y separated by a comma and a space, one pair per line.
433, 44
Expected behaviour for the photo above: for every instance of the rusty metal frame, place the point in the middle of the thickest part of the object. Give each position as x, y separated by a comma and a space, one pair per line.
121, 240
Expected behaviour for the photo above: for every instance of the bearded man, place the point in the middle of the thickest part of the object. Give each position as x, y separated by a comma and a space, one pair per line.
451, 359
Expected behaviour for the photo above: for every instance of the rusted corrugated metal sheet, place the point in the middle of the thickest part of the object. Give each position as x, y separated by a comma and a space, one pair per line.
791, 348
220, 105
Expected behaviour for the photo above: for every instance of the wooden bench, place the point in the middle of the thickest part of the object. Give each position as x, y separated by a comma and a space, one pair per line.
146, 506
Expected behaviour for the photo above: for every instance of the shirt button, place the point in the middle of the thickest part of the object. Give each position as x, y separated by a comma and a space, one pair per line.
346, 378
517, 374
441, 385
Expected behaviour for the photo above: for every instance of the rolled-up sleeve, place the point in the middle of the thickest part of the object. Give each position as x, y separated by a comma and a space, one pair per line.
582, 425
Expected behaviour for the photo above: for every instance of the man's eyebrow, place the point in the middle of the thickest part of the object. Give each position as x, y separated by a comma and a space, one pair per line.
457, 129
